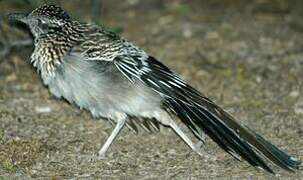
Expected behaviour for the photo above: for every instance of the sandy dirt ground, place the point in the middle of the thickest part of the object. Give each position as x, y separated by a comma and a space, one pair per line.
245, 55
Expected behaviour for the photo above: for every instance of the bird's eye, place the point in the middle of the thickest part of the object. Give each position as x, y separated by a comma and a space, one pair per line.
39, 22
42, 24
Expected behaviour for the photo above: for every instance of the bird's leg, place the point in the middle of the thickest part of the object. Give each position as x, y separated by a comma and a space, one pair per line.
166, 119
202, 141
184, 137
200, 144
195, 147
192, 145
120, 124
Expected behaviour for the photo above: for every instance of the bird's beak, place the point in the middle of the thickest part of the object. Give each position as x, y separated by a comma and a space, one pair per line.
19, 17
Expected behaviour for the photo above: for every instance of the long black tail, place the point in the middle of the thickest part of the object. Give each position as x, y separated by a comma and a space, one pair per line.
229, 135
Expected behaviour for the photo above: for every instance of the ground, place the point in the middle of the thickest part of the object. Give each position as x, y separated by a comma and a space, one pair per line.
247, 57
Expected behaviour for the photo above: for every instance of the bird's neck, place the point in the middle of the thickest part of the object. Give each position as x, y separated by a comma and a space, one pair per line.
51, 48
49, 52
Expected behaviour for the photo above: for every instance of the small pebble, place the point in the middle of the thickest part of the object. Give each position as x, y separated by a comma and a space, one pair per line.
45, 109
294, 94
298, 108
259, 79
187, 33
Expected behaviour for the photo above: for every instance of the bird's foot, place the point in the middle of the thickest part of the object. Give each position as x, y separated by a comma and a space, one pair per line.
201, 152
199, 144
101, 156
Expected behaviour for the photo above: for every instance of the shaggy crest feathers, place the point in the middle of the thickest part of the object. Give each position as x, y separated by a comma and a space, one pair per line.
51, 11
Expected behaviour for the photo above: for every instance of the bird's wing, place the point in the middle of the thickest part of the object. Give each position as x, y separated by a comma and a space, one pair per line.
158, 77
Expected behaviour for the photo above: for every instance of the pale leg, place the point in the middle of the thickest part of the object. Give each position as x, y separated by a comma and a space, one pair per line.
120, 124
193, 146
183, 136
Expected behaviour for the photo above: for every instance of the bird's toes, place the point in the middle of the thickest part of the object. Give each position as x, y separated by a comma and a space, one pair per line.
199, 144
102, 157
204, 154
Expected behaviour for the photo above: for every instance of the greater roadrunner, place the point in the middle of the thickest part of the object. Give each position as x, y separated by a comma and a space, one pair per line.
114, 79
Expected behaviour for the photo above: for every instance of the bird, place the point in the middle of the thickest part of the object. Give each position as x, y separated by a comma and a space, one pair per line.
114, 79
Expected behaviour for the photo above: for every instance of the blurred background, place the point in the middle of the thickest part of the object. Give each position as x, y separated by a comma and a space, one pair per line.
246, 55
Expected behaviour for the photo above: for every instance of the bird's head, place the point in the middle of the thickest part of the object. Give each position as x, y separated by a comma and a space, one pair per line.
44, 19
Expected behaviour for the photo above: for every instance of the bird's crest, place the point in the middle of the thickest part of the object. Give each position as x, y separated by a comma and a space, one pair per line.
51, 11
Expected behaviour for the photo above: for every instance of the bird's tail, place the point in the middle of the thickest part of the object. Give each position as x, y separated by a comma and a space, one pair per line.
237, 140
